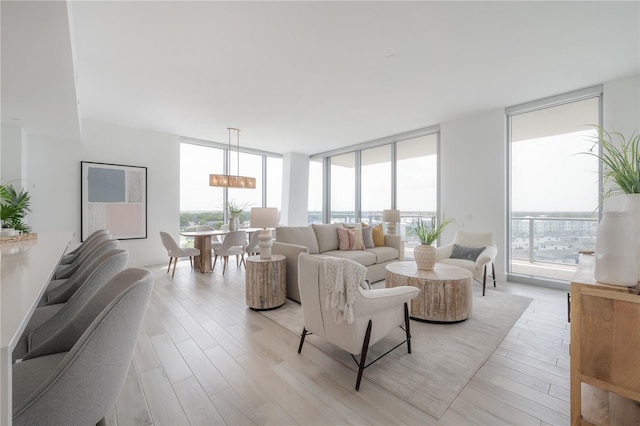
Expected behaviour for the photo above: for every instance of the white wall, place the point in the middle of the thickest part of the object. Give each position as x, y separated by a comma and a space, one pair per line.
473, 175
11, 150
54, 167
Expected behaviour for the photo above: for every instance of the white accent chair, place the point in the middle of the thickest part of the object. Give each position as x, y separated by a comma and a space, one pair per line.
485, 259
175, 251
376, 313
234, 243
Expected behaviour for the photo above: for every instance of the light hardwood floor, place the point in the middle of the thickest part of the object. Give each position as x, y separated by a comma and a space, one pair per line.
204, 358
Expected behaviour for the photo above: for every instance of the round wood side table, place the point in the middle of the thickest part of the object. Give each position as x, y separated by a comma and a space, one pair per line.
446, 293
266, 282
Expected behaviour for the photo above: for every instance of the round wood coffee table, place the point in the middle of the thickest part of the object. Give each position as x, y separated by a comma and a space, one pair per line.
446, 293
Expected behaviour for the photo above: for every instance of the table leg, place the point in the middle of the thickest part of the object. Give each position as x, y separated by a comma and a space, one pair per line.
203, 243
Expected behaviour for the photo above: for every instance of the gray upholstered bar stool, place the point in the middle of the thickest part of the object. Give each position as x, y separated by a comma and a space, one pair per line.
75, 376
47, 320
96, 236
59, 291
66, 271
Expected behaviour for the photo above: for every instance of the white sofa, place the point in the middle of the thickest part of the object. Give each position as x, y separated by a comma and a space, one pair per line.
322, 240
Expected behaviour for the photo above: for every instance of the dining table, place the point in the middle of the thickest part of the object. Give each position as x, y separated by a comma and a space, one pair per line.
202, 241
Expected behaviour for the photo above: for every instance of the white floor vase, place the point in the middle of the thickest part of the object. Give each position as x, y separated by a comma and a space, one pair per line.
616, 250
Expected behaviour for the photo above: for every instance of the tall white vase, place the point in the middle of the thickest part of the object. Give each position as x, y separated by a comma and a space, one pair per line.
632, 205
616, 250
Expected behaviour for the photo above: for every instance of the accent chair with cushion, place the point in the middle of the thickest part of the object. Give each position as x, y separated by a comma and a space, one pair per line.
372, 313
473, 251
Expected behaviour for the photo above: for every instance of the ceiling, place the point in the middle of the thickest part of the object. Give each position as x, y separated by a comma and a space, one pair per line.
310, 77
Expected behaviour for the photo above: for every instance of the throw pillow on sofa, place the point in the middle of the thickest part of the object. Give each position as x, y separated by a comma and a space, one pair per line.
378, 236
467, 253
367, 236
350, 239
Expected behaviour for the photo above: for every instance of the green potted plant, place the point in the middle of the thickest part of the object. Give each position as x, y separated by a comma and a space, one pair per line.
621, 158
14, 207
427, 232
234, 208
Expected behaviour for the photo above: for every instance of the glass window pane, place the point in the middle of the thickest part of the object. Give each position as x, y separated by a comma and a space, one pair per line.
199, 202
274, 182
376, 183
554, 188
315, 191
250, 165
343, 188
417, 183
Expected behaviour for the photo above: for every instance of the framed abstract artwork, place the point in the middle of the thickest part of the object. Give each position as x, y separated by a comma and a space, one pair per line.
114, 197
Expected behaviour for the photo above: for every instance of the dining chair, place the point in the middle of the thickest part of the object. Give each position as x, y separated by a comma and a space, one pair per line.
253, 248
75, 376
175, 251
234, 244
215, 242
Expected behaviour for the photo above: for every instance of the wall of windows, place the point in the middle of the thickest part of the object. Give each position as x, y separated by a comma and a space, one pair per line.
400, 174
343, 188
203, 204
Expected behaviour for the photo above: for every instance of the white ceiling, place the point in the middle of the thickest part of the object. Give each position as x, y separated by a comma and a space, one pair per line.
315, 76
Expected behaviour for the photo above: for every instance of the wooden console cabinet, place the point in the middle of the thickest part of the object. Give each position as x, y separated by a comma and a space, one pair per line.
605, 344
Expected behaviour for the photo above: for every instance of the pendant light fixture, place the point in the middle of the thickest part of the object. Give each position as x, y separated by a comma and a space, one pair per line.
229, 180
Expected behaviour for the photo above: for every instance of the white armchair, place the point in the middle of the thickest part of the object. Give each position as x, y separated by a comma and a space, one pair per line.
375, 312
464, 257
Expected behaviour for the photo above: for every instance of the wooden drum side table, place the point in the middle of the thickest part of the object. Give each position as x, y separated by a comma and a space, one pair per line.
266, 282
446, 293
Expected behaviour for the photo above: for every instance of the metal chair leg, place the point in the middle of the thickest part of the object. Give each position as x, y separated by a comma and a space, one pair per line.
302, 336
406, 326
363, 356
493, 269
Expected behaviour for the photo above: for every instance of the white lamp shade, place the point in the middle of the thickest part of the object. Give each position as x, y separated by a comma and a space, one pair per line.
391, 216
264, 217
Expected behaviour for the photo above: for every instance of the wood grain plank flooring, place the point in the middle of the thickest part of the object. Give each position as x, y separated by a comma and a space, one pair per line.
204, 358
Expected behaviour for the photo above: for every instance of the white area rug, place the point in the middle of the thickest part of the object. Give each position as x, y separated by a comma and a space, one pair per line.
444, 356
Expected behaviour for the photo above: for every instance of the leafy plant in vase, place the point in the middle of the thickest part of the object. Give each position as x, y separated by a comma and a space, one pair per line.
621, 160
427, 232
235, 209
